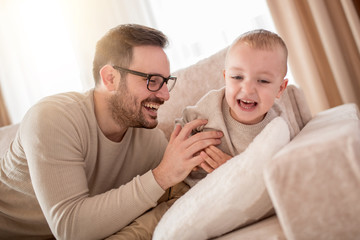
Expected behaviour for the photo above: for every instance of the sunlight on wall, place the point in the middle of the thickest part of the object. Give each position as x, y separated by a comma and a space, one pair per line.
198, 29
37, 44
49, 47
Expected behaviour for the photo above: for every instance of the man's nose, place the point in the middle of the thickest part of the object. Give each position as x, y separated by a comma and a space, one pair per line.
163, 93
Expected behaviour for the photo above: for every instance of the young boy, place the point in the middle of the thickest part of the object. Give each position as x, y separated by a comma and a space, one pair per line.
255, 69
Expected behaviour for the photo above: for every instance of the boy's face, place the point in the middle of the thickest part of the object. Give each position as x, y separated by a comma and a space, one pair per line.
254, 78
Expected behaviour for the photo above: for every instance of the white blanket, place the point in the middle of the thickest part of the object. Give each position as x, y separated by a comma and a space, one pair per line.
231, 196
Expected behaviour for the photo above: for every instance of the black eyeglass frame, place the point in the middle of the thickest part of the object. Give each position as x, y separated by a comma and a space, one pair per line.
148, 77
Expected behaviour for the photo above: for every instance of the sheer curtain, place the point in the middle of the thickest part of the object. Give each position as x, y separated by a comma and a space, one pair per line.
324, 43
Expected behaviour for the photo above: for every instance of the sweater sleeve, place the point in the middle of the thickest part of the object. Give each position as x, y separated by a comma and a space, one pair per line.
52, 144
208, 107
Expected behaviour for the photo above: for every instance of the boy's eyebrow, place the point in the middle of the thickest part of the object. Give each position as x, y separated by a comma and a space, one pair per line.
261, 72
268, 74
235, 68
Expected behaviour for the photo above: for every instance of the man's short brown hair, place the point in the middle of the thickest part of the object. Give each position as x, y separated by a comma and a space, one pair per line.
116, 46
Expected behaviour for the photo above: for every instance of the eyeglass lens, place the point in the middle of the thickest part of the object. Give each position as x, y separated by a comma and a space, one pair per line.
156, 82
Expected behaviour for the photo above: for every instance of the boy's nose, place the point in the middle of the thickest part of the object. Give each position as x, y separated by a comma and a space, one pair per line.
248, 87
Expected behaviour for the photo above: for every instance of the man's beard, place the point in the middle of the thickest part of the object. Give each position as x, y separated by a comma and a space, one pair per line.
127, 111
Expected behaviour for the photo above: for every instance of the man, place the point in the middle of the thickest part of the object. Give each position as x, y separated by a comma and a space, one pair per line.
83, 166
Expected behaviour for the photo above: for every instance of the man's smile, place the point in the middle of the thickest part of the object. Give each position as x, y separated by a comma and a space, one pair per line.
152, 106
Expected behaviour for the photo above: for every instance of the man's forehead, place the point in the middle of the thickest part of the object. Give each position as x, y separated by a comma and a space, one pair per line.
151, 59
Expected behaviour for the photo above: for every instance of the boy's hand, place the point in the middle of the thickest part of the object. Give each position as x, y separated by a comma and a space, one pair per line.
213, 158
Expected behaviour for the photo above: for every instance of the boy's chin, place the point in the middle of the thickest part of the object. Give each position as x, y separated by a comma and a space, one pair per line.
248, 120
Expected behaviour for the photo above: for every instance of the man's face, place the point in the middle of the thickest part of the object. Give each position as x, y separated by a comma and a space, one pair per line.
254, 78
133, 105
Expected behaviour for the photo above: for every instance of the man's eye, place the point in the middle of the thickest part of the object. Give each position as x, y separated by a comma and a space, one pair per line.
152, 82
155, 80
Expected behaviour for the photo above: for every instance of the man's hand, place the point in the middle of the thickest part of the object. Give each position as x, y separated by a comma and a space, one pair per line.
179, 157
213, 158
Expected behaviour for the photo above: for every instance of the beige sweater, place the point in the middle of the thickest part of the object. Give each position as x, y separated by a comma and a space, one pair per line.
237, 136
62, 173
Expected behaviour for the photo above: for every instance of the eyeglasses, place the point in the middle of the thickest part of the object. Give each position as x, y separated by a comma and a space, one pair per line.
154, 82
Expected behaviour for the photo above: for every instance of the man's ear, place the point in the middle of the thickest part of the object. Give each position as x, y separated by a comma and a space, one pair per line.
282, 87
107, 74
224, 74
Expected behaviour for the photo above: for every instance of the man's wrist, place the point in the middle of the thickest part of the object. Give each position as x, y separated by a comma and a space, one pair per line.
159, 177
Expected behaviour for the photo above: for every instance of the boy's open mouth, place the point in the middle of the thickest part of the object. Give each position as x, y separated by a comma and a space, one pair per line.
246, 104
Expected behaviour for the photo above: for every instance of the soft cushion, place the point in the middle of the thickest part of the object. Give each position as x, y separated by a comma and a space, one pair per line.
314, 181
231, 196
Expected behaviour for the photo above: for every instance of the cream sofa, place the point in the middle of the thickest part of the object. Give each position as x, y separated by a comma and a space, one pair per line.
314, 181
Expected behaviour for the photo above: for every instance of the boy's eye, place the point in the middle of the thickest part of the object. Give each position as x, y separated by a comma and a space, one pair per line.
237, 77
263, 81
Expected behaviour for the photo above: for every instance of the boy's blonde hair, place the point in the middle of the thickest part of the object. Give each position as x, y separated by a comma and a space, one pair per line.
262, 39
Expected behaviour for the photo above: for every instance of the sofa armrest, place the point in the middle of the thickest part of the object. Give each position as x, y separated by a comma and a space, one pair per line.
314, 181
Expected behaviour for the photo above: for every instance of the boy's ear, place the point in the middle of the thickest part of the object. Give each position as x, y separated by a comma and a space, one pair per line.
282, 87
107, 74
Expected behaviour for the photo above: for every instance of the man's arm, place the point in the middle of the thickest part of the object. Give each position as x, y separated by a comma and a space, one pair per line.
61, 181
